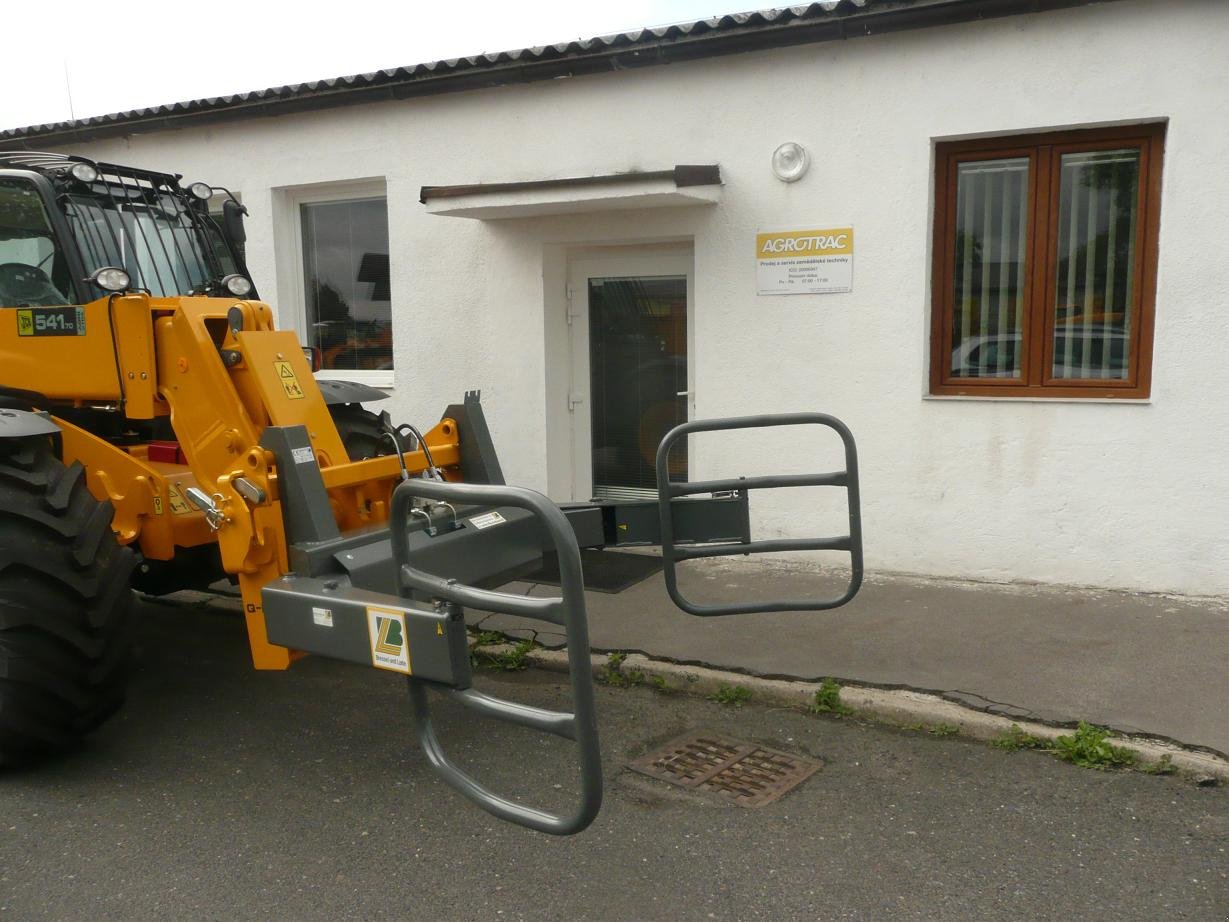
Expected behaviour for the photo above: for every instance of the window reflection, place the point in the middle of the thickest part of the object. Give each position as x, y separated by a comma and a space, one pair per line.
349, 309
1096, 264
991, 211
638, 370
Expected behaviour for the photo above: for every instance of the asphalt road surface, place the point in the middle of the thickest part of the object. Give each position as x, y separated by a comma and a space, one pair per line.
222, 793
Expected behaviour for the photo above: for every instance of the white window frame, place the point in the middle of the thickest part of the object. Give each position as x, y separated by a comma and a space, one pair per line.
292, 291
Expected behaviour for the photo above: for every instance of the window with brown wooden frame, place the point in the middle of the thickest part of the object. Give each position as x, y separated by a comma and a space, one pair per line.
1045, 256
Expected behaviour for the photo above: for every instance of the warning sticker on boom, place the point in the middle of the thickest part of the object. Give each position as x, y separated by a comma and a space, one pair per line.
390, 647
290, 383
487, 520
179, 505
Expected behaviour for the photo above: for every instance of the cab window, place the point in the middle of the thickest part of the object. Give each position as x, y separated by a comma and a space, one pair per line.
33, 272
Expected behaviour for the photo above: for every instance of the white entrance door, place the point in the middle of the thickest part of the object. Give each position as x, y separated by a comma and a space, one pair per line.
630, 319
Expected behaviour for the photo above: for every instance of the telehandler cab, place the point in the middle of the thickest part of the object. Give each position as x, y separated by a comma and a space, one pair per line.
158, 433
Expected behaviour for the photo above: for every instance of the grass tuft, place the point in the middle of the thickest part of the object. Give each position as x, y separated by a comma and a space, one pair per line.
731, 695
827, 699
1164, 766
1015, 739
513, 660
1089, 747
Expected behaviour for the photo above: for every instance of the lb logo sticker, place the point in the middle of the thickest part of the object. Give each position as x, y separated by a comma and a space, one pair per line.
290, 382
390, 648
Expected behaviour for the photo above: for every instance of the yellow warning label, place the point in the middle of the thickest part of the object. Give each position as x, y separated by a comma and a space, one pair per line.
439, 630
157, 505
179, 505
25, 323
290, 383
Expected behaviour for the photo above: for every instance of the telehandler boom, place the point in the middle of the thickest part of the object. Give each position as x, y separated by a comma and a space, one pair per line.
157, 432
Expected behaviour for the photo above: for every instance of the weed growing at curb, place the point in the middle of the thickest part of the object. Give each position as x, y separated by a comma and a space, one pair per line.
630, 679
1015, 739
731, 695
477, 657
827, 699
614, 675
1165, 766
1089, 747
513, 660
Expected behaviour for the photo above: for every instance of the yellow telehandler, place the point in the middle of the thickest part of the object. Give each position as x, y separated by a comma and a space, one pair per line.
157, 432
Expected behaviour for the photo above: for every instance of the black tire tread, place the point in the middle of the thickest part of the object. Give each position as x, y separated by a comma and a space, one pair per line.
361, 432
65, 605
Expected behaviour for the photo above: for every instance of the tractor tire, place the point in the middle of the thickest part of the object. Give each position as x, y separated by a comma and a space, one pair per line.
361, 432
65, 605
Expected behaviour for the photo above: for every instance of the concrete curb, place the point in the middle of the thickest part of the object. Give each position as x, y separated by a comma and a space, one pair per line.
896, 707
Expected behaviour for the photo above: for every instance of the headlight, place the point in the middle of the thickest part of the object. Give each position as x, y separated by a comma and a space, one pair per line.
110, 278
237, 285
201, 190
84, 172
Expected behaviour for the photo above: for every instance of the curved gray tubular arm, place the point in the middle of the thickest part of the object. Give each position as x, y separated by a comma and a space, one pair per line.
668, 490
567, 609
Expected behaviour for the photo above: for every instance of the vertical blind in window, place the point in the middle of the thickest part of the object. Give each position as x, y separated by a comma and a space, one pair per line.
991, 211
1045, 258
1096, 264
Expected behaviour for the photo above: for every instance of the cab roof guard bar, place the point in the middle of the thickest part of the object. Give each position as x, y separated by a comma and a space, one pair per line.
668, 490
567, 609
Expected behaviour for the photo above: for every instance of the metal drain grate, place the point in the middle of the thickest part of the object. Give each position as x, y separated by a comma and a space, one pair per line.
739, 772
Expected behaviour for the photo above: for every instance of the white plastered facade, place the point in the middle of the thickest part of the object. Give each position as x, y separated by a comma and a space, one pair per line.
1131, 495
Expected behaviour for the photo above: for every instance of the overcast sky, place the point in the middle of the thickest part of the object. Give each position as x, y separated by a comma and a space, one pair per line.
132, 53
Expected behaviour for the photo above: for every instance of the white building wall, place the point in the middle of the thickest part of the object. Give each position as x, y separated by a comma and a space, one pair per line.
1118, 494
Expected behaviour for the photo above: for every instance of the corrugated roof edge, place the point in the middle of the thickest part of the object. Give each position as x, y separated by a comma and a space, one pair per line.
729, 34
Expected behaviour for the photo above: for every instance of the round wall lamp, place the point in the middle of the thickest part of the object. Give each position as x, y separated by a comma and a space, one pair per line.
790, 162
